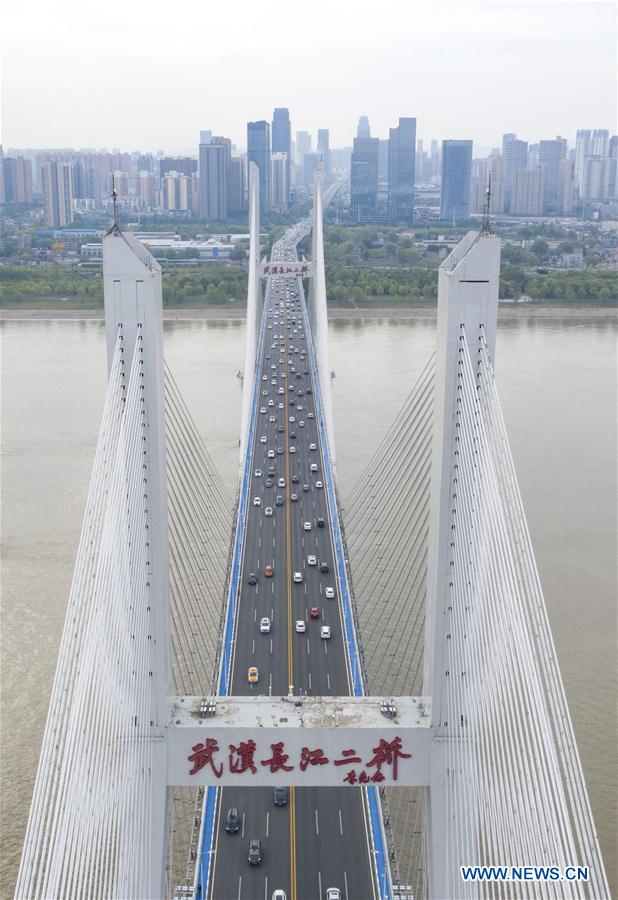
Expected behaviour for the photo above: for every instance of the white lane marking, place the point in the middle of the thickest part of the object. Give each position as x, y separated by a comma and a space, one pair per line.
273, 542
242, 830
260, 523
325, 647
305, 588
271, 646
345, 881
239, 885
272, 588
320, 885
267, 822
328, 681
266, 888
272, 615
308, 651
310, 687
317, 827
258, 562
270, 684
259, 542
255, 615
253, 646
340, 823
320, 587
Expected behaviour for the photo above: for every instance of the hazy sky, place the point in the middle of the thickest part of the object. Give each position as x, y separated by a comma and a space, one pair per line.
150, 75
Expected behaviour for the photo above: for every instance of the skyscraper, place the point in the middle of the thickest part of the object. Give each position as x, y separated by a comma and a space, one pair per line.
281, 135
17, 180
455, 190
363, 130
258, 151
528, 192
364, 179
565, 187
214, 178
303, 145
279, 182
401, 171
515, 153
600, 142
57, 193
324, 148
550, 154
310, 161
238, 185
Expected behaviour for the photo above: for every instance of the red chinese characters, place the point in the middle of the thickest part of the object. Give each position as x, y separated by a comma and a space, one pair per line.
312, 758
389, 753
278, 760
241, 758
349, 757
203, 756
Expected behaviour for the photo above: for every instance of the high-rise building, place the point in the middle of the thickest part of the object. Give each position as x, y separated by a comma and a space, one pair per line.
310, 161
401, 171
364, 174
281, 141
303, 145
528, 194
238, 186
324, 148
515, 153
341, 159
565, 187
583, 148
550, 154
279, 182
57, 185
599, 179
185, 164
600, 142
363, 130
145, 188
435, 160
258, 151
214, 178
176, 191
17, 180
455, 189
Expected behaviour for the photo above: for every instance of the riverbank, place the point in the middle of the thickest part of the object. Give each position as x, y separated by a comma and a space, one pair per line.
505, 311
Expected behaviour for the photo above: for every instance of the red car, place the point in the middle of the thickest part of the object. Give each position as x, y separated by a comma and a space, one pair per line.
314, 612
268, 571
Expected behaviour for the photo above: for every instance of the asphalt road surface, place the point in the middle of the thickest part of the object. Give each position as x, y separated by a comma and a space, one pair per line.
319, 840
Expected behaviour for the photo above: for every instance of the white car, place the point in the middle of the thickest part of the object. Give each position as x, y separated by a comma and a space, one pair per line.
258, 473
272, 418
300, 626
310, 415
333, 894
301, 424
306, 525
271, 402
313, 447
264, 377
281, 482
311, 560
292, 449
313, 467
291, 419
281, 390
257, 501
263, 439
265, 625
319, 484
262, 410
271, 454
325, 632
281, 406
298, 577
329, 593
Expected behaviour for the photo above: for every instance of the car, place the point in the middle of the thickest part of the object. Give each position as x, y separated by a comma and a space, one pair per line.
268, 571
306, 526
294, 498
281, 391
281, 482
311, 560
268, 511
279, 895
333, 894
265, 392
279, 451
252, 674
310, 415
268, 483
232, 821
258, 473
329, 593
280, 794
309, 391
271, 454
313, 467
324, 568
292, 449
319, 522
262, 410
272, 418
298, 577
271, 472
271, 402
280, 406
291, 419
293, 435
252, 579
314, 612
264, 377
278, 500
300, 626
257, 501
313, 446
325, 632
280, 429
295, 478
305, 487
264, 625
292, 402
300, 407
255, 852
301, 424
319, 485
263, 439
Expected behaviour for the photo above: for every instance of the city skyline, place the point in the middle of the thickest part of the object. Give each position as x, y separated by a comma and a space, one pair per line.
547, 51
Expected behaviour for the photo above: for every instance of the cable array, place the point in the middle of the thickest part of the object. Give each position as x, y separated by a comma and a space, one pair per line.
387, 523
89, 831
515, 792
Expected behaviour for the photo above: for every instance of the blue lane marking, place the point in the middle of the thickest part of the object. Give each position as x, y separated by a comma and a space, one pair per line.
375, 811
207, 835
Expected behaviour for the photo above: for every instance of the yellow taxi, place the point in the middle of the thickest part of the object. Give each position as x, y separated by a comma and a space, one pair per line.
252, 674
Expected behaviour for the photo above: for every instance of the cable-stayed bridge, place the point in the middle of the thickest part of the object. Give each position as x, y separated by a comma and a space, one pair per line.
372, 687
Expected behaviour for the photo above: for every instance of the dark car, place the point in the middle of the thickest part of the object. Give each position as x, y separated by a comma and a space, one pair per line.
292, 434
309, 391
268, 483
252, 579
232, 821
280, 796
271, 472
280, 429
324, 568
279, 501
320, 522
255, 852
295, 478
305, 487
